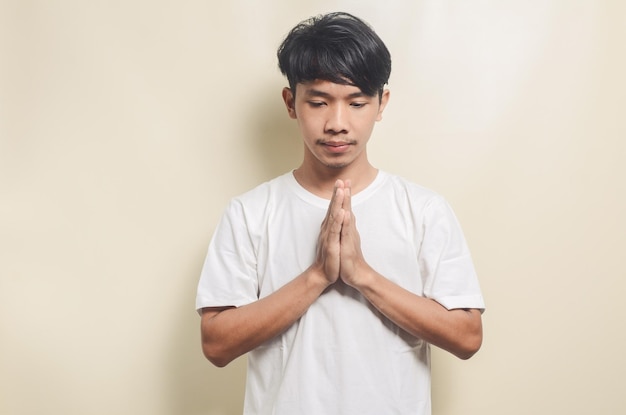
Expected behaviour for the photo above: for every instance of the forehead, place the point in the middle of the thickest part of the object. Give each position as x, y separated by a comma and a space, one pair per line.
321, 88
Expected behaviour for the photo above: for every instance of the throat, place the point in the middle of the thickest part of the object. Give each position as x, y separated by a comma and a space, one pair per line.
322, 184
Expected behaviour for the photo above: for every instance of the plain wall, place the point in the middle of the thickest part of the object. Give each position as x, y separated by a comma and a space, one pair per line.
126, 126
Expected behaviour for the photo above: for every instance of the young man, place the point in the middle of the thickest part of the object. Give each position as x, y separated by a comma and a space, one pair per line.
337, 277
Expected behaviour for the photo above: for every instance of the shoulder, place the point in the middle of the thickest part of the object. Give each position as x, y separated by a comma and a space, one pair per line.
402, 188
259, 199
263, 191
414, 202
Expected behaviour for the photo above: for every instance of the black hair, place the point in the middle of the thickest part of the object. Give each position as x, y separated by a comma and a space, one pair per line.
335, 47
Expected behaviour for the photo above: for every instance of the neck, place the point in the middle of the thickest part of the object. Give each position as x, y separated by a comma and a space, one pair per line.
320, 180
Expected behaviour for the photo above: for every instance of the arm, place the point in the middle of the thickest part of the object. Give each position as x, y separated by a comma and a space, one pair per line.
458, 331
229, 332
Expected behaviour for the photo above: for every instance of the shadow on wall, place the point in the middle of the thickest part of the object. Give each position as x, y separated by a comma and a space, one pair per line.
194, 385
275, 136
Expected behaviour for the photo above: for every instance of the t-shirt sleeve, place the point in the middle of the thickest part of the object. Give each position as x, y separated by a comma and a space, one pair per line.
228, 276
445, 261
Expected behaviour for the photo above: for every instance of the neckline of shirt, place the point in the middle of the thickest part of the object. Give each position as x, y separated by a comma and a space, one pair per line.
321, 202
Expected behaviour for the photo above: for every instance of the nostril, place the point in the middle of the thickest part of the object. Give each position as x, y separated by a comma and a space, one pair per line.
332, 131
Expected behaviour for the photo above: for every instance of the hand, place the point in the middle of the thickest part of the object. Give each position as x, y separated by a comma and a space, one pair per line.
329, 241
352, 265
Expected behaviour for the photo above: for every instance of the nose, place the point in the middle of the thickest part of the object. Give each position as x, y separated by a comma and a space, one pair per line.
337, 120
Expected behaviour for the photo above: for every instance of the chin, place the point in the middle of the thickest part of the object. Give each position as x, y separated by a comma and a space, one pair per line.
337, 165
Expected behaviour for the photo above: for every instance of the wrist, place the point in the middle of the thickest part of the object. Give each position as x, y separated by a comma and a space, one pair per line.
316, 278
364, 278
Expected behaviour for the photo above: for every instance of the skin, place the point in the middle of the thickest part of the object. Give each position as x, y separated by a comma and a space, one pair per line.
336, 122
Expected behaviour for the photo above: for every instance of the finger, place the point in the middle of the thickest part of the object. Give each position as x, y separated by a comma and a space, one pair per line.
338, 193
334, 200
337, 201
345, 228
336, 210
332, 235
348, 218
347, 200
336, 225
349, 232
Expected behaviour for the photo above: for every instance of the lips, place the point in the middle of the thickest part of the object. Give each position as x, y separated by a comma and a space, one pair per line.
336, 146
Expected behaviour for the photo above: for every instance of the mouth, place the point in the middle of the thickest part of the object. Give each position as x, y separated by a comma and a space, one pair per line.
336, 146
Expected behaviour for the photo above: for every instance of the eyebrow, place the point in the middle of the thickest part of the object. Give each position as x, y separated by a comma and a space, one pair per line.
317, 93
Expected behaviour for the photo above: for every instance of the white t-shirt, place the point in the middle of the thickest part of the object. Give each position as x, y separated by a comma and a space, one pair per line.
342, 356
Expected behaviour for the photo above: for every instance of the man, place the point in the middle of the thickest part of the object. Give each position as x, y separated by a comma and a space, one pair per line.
337, 277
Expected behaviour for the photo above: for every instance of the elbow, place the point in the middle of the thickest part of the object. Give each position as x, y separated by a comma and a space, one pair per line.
218, 361
215, 349
216, 355
472, 340
470, 346
215, 346
467, 351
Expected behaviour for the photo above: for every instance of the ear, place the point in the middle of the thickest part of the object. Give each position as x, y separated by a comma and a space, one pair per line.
384, 99
290, 102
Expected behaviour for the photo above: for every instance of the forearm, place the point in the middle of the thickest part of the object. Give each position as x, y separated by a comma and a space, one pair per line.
458, 331
232, 332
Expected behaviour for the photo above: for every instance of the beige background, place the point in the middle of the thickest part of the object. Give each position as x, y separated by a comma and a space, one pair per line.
125, 127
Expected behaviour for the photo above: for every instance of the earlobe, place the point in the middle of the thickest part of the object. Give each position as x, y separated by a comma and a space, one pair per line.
290, 103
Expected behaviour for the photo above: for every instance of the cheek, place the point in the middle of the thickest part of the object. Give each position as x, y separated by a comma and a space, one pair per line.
365, 126
307, 126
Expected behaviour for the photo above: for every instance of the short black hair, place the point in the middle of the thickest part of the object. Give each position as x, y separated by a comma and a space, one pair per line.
336, 47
